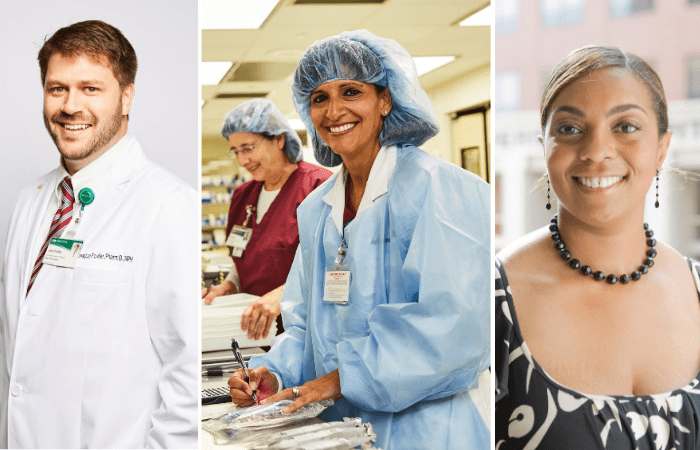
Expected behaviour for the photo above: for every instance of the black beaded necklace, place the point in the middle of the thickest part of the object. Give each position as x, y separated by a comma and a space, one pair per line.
600, 276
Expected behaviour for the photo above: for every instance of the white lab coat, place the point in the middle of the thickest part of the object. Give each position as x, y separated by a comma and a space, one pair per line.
104, 355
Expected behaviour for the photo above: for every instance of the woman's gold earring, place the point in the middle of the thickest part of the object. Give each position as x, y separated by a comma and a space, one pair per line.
386, 113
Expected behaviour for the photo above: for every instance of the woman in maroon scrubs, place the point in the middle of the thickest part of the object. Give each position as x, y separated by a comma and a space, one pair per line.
262, 223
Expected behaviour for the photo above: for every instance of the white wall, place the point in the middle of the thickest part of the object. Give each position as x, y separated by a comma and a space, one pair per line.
470, 89
164, 115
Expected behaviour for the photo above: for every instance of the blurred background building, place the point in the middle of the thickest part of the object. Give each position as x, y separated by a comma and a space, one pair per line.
251, 48
531, 38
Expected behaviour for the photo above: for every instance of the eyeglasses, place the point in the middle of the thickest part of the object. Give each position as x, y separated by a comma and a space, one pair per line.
245, 149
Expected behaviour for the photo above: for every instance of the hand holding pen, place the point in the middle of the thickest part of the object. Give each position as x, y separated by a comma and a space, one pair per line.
237, 353
262, 381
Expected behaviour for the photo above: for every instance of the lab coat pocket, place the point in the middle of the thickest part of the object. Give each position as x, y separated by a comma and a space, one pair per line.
97, 275
107, 313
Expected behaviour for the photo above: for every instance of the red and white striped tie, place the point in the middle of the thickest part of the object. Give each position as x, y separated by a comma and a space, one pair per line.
61, 219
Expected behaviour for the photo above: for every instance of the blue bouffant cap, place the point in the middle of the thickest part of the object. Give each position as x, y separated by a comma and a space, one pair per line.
362, 56
261, 116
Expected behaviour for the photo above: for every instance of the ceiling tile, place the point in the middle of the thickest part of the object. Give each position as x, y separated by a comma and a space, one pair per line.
208, 91
246, 86
422, 12
223, 53
241, 38
260, 71
455, 41
226, 45
321, 15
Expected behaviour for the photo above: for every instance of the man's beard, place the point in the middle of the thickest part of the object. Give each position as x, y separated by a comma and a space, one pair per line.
103, 134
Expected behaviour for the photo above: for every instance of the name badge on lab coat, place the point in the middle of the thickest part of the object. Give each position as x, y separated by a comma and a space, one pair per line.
336, 289
238, 239
62, 252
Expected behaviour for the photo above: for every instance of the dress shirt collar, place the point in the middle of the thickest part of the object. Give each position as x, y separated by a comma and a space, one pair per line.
90, 173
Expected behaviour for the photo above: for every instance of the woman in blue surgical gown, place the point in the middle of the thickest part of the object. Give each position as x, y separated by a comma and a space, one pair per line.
404, 346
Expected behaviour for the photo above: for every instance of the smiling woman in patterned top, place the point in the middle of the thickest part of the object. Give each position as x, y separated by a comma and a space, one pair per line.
604, 351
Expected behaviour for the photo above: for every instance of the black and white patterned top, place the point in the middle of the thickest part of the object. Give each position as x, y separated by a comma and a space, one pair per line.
533, 411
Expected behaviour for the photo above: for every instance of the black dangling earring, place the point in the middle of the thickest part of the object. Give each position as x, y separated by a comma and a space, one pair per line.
657, 189
549, 205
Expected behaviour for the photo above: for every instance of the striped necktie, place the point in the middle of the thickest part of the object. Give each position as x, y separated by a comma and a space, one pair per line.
61, 219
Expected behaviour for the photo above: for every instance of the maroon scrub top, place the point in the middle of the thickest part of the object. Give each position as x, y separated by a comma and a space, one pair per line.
267, 259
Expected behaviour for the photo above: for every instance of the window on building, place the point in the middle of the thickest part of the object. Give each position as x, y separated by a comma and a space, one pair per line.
561, 13
620, 9
507, 90
507, 12
693, 76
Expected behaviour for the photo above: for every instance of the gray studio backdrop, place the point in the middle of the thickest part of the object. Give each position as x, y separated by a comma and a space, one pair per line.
164, 114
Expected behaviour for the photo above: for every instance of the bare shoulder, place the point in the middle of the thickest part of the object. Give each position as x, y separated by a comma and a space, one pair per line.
671, 266
671, 255
532, 277
524, 254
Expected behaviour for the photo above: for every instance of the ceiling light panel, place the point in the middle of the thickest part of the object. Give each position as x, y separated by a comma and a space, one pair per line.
234, 14
425, 64
211, 72
478, 19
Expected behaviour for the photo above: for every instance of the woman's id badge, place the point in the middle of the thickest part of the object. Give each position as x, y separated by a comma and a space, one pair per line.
238, 240
336, 288
62, 252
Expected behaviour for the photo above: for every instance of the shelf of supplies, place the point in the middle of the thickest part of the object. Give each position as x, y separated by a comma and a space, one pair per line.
221, 205
212, 227
210, 247
221, 187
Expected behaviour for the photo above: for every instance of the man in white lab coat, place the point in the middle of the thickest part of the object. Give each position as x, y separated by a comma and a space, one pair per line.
98, 318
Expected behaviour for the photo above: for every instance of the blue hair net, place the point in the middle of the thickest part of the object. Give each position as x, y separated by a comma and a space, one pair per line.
261, 116
362, 56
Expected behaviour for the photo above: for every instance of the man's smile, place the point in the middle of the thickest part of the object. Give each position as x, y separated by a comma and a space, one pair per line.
72, 127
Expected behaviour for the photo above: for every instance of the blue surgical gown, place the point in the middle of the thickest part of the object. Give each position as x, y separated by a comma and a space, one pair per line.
414, 335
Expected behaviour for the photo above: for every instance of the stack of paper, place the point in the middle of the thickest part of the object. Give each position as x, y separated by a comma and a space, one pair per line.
221, 321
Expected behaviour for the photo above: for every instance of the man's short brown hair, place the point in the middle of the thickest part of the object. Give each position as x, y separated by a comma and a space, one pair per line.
96, 39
